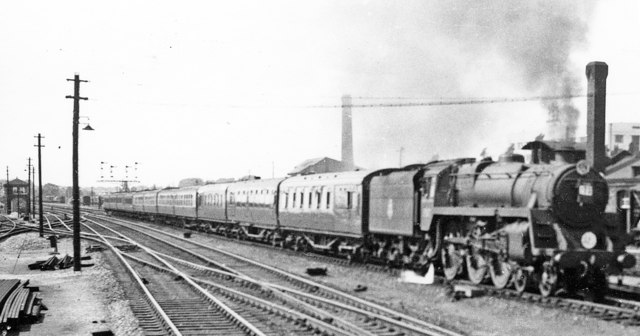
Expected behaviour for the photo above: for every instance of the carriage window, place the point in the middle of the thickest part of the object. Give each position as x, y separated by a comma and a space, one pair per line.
349, 200
301, 199
328, 200
310, 199
318, 199
293, 203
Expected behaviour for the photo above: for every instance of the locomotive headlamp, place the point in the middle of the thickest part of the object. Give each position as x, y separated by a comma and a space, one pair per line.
589, 240
583, 167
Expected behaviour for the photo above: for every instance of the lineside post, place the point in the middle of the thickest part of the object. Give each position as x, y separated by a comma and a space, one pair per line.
76, 189
39, 145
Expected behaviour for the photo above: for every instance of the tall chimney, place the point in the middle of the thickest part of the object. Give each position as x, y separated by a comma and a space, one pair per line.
596, 105
347, 134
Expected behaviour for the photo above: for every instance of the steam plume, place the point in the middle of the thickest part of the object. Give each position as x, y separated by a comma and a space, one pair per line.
537, 37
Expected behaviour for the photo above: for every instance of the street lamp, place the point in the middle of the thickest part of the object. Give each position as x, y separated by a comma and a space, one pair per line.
88, 127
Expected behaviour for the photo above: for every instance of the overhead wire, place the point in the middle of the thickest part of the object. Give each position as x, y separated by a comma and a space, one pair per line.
407, 102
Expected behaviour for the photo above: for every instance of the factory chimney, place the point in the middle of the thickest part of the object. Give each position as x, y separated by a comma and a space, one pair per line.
347, 133
596, 108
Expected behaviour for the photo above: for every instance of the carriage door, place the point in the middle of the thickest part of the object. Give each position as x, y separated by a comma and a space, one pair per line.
231, 210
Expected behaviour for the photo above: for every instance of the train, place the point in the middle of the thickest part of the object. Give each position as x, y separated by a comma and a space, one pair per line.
532, 226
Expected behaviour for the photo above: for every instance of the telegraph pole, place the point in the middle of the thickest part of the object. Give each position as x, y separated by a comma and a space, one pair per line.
7, 192
29, 188
33, 190
76, 189
41, 229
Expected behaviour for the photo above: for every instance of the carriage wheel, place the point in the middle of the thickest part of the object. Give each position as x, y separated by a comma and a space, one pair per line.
500, 272
451, 262
476, 268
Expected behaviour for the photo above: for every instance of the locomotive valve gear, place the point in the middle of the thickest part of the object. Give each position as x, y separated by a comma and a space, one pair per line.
548, 280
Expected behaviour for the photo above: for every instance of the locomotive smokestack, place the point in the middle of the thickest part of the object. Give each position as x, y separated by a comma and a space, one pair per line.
347, 133
596, 109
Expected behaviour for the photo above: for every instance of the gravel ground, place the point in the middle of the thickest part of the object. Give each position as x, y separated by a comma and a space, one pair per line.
79, 302
477, 316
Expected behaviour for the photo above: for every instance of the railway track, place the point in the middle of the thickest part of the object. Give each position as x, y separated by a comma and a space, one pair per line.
174, 303
616, 309
9, 227
349, 312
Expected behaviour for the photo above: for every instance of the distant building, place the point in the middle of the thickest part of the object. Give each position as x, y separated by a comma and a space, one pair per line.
624, 136
16, 190
190, 182
320, 165
626, 166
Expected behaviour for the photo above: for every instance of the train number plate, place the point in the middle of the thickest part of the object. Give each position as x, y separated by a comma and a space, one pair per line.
585, 190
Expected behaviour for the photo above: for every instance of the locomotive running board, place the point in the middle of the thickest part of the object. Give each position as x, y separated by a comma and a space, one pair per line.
481, 212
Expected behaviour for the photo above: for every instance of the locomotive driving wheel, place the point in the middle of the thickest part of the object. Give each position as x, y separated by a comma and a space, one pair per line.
500, 272
520, 280
451, 262
476, 268
548, 280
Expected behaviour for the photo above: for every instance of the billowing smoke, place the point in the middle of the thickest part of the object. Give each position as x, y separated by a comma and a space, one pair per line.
460, 49
536, 36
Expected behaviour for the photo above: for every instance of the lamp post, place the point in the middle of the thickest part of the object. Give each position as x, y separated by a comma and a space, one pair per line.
76, 189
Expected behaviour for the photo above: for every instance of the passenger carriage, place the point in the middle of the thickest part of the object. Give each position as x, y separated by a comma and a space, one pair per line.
178, 205
212, 208
253, 205
323, 211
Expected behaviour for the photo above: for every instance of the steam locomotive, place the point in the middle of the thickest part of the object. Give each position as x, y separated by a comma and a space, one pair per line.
505, 221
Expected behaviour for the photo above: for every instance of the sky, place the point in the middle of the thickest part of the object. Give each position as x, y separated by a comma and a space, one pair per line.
226, 89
